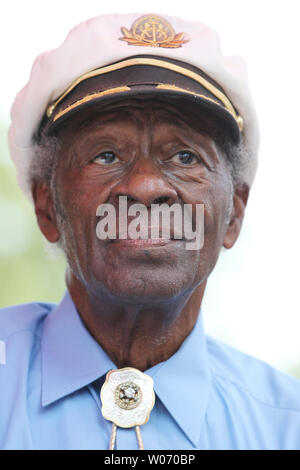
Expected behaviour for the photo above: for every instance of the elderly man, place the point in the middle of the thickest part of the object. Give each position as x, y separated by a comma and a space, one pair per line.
145, 111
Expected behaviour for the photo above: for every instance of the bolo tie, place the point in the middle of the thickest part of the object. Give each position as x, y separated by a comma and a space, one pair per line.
127, 398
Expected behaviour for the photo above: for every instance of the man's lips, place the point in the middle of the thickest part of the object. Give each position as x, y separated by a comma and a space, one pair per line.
140, 243
144, 242
152, 235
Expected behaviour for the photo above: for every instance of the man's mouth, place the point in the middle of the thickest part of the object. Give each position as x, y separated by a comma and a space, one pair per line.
143, 243
148, 236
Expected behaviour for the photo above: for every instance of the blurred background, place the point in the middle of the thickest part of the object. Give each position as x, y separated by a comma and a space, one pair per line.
252, 298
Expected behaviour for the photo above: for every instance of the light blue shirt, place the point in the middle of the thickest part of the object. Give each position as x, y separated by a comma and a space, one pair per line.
208, 395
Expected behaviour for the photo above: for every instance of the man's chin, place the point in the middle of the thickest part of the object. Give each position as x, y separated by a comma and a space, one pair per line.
142, 288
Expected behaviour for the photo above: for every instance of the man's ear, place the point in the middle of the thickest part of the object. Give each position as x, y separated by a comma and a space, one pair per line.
240, 199
45, 211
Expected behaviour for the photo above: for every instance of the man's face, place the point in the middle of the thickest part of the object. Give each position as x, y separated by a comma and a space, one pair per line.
151, 152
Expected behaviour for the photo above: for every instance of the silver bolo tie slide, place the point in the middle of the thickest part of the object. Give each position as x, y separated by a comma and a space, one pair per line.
127, 398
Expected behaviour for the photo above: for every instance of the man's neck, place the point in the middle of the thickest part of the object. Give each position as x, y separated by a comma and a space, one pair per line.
137, 335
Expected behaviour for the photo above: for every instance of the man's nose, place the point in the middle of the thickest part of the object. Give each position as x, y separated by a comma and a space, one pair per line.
145, 185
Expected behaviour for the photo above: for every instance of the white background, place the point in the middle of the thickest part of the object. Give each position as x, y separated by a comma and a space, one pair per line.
252, 299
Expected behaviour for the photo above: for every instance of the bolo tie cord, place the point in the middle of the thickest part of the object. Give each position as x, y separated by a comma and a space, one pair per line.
114, 434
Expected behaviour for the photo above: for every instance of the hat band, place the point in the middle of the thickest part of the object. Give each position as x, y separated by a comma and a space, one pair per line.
152, 62
118, 90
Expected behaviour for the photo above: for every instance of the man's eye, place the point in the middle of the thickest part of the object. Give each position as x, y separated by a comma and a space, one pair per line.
185, 158
106, 158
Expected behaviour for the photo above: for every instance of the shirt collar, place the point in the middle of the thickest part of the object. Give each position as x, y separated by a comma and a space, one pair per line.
72, 359
183, 382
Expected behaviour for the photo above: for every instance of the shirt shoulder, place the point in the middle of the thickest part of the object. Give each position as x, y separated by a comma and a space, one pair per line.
254, 377
23, 317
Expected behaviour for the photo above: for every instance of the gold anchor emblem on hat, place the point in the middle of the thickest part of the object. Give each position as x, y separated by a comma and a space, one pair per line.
154, 31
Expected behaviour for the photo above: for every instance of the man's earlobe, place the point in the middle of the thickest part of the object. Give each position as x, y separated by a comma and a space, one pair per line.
240, 199
45, 211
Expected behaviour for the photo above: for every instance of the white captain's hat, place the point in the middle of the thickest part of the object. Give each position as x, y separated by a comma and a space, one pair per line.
114, 57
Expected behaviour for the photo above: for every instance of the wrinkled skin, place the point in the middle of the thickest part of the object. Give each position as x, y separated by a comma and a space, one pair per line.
139, 301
